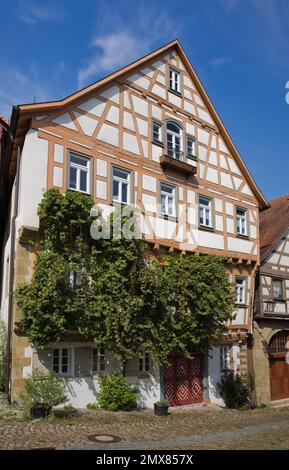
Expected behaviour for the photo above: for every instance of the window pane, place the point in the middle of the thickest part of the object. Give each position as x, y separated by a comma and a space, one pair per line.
204, 202
277, 289
72, 178
120, 173
124, 196
55, 366
171, 126
170, 205
79, 160
156, 132
116, 189
83, 181
140, 364
163, 203
167, 189
64, 367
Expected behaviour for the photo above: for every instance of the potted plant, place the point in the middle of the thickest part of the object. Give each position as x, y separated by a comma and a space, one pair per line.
161, 408
42, 392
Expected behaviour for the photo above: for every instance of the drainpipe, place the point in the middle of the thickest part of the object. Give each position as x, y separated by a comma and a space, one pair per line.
12, 271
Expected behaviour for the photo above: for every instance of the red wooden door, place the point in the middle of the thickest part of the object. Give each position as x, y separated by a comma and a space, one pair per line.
183, 380
279, 369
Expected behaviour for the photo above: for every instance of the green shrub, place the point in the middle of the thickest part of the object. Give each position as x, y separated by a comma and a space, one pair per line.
44, 390
3, 344
7, 411
117, 393
92, 406
234, 390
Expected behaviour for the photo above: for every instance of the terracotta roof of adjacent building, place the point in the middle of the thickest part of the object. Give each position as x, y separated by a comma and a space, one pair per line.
274, 222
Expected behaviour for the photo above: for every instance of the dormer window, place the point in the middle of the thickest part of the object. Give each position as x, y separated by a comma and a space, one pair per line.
174, 140
174, 80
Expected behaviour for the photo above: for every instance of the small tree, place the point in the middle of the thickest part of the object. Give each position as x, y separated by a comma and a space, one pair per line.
44, 390
234, 390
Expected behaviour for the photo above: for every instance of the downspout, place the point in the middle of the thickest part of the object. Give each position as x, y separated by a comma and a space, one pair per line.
12, 267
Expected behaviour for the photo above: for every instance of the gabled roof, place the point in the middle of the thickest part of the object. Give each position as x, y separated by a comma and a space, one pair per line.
274, 223
27, 110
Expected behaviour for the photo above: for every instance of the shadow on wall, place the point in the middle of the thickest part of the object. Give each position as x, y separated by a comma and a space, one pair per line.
149, 390
82, 391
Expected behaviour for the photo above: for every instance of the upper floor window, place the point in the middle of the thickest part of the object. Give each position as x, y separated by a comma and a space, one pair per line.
174, 80
157, 132
191, 151
61, 361
144, 363
98, 359
240, 290
241, 218
168, 206
174, 140
205, 211
79, 173
277, 288
121, 185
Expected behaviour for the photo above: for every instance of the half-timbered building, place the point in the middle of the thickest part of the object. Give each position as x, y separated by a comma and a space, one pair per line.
271, 312
146, 135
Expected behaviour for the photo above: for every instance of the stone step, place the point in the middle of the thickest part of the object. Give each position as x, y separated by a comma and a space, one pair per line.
279, 403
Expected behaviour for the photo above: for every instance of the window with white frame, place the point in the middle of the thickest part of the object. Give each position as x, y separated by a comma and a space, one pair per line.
157, 132
98, 359
79, 173
205, 212
167, 194
61, 361
225, 357
174, 80
241, 216
191, 147
144, 363
121, 185
174, 140
240, 290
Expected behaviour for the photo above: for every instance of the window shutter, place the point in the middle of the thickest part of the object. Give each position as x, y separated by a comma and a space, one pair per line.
83, 362
42, 360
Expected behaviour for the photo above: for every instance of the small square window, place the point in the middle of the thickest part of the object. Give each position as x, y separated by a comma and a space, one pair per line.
240, 291
167, 202
205, 212
79, 173
157, 132
144, 363
121, 185
174, 80
241, 219
191, 151
98, 359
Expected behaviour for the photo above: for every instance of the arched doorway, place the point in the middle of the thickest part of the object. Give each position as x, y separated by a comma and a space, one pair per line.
279, 368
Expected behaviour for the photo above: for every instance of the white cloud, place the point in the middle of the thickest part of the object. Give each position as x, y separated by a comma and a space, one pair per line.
32, 12
219, 61
118, 44
17, 87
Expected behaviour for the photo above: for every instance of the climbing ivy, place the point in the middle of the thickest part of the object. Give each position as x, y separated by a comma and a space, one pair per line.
124, 298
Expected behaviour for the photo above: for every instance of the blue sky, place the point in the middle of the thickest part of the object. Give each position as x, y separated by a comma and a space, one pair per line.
239, 48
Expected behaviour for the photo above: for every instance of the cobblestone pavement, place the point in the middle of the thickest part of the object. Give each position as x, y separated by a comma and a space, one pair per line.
196, 428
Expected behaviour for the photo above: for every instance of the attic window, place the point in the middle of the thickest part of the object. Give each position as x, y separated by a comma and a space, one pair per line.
174, 80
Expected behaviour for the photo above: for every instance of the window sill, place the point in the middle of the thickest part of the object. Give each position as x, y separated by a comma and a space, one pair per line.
240, 305
192, 157
173, 218
208, 229
159, 144
79, 191
244, 237
177, 93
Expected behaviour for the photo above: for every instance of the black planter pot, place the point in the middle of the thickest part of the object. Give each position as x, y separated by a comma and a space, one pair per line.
39, 411
160, 410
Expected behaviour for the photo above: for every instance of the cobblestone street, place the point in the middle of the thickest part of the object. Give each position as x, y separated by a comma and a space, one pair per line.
202, 427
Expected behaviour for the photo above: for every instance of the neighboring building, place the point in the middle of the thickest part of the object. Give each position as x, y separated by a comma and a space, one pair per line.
4, 177
147, 135
271, 312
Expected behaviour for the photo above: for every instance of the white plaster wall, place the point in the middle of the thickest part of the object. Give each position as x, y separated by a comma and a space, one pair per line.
33, 176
